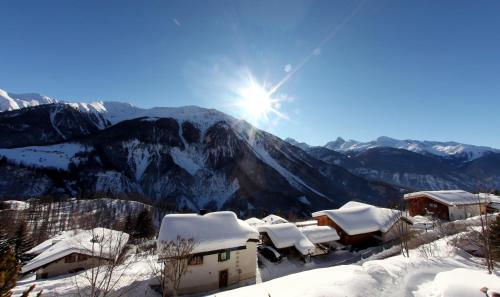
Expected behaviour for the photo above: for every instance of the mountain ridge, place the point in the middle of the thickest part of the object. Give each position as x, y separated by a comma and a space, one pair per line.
188, 157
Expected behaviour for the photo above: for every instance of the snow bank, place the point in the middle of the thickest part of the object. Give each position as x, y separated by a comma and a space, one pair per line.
287, 235
448, 274
459, 282
358, 218
99, 242
212, 231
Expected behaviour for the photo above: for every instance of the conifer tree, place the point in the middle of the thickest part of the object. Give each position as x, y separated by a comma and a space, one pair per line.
9, 268
494, 235
144, 225
22, 241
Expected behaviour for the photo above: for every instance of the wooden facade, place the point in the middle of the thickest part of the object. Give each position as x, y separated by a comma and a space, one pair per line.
358, 240
423, 205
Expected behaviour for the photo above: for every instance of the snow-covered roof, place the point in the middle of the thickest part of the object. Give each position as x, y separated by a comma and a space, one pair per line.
274, 219
491, 198
320, 234
98, 242
52, 241
286, 235
448, 197
15, 204
358, 218
212, 231
254, 222
306, 223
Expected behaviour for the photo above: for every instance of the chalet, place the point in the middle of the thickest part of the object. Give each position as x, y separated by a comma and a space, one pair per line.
359, 224
493, 201
225, 250
75, 250
447, 205
287, 239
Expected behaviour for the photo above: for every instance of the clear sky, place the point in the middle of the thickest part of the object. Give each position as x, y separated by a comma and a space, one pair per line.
357, 69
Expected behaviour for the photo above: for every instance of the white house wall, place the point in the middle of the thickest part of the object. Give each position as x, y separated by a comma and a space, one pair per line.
205, 277
463, 211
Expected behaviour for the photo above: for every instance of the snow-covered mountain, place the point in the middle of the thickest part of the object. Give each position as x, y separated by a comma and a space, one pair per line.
10, 101
416, 167
452, 149
186, 157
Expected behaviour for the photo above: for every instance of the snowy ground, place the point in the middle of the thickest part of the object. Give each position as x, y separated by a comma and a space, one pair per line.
450, 272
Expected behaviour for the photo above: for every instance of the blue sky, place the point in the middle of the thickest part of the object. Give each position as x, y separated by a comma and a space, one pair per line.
405, 69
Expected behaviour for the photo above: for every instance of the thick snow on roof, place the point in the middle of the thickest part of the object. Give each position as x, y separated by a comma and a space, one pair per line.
14, 204
254, 222
320, 234
306, 223
448, 197
491, 198
212, 231
64, 235
358, 218
286, 235
99, 242
274, 219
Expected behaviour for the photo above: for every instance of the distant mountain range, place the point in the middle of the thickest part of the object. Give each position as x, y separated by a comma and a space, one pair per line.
413, 164
465, 152
186, 158
193, 158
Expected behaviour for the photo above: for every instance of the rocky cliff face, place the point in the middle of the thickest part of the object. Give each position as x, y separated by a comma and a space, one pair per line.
189, 158
417, 171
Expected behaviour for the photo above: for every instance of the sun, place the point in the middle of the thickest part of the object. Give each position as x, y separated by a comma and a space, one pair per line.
258, 104
256, 101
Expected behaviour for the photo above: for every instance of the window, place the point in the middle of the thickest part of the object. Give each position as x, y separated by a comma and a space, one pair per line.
70, 258
82, 257
433, 205
224, 256
196, 260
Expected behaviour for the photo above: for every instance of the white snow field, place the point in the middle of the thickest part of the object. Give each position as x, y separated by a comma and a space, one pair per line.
449, 274
57, 156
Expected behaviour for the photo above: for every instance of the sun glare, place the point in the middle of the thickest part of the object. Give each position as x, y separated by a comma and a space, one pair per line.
256, 102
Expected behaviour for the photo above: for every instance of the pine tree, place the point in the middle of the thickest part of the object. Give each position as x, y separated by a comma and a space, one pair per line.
9, 268
144, 225
22, 241
129, 224
494, 235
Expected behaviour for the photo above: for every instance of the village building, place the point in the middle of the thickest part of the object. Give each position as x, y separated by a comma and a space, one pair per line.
447, 205
75, 250
493, 202
287, 239
323, 237
359, 224
224, 253
255, 222
274, 219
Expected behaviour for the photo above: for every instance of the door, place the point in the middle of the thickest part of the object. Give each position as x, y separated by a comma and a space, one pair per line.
223, 276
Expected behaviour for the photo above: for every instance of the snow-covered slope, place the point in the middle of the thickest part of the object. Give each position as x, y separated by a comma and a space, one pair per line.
190, 157
9, 101
444, 149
